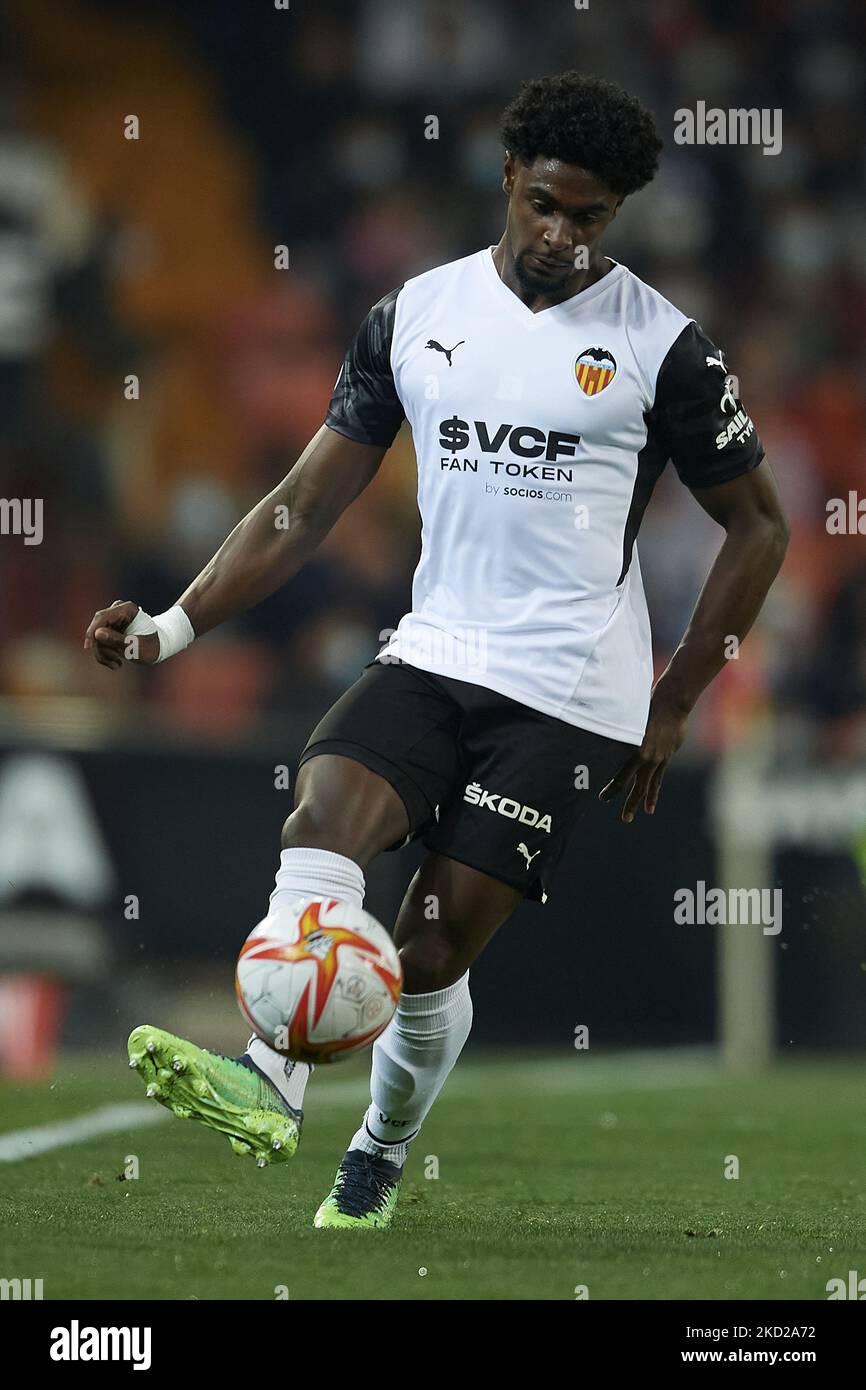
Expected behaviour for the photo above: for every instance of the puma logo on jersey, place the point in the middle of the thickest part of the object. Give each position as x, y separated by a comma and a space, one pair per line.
437, 347
506, 806
717, 361
521, 849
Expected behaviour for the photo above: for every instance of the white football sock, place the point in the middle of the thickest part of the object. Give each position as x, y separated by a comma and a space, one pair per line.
304, 873
290, 1078
411, 1062
316, 873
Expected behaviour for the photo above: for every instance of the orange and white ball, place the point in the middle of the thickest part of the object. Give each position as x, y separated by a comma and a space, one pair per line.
318, 981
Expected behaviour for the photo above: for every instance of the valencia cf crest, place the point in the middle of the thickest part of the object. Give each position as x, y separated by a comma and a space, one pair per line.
594, 369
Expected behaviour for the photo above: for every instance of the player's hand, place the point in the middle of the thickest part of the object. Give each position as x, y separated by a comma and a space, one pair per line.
105, 637
641, 776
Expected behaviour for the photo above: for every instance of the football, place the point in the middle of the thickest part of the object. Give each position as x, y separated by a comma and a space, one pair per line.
318, 981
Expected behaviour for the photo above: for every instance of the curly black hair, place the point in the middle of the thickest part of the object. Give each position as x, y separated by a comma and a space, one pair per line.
584, 121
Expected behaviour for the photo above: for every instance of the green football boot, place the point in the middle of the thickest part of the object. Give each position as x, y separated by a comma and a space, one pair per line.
228, 1094
364, 1194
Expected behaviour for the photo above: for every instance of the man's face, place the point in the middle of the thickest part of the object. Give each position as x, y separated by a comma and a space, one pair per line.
555, 210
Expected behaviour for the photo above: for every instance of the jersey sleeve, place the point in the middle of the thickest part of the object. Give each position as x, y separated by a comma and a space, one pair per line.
365, 405
709, 434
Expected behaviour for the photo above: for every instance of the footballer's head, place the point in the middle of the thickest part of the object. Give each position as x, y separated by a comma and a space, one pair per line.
575, 147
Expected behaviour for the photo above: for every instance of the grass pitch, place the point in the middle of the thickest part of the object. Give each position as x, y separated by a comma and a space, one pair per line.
553, 1173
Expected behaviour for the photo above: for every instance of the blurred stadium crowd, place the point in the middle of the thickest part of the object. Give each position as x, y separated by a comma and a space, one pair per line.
152, 258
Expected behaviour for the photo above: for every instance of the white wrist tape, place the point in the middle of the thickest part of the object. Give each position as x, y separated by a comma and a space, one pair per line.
173, 627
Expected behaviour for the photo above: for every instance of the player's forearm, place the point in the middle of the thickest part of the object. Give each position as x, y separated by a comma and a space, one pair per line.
729, 603
261, 554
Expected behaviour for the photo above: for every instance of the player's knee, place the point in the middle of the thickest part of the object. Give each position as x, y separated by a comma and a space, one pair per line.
311, 827
431, 962
316, 823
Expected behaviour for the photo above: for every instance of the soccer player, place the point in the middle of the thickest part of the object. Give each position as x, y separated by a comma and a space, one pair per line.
546, 387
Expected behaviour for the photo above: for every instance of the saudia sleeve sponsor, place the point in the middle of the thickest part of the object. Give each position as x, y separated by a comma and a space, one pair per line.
712, 438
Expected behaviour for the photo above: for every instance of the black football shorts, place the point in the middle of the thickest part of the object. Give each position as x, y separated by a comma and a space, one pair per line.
485, 780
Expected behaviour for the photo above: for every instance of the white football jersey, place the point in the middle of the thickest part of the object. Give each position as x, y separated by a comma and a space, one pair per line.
539, 438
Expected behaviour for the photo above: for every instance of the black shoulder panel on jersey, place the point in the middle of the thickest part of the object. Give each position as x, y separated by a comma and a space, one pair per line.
711, 437
651, 463
698, 421
365, 405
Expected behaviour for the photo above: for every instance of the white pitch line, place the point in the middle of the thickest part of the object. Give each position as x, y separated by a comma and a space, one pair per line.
638, 1070
26, 1143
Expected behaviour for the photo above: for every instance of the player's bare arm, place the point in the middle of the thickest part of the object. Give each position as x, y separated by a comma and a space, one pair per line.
756, 538
262, 553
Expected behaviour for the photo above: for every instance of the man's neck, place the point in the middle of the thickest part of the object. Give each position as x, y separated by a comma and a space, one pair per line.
536, 300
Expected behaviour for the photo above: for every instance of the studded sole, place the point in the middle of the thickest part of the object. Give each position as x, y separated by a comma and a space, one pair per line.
172, 1073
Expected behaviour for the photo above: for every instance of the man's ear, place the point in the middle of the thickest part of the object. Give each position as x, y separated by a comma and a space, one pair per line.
619, 204
508, 174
